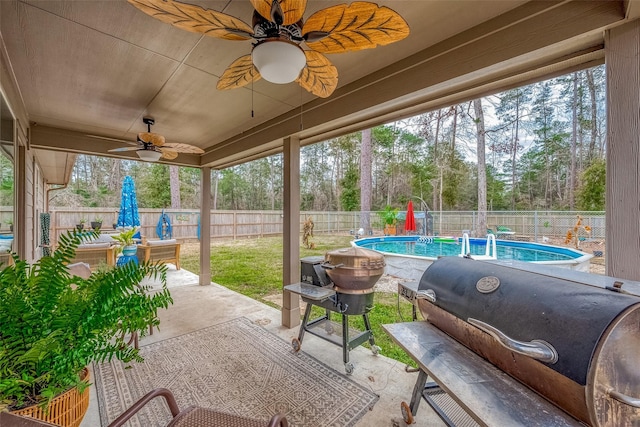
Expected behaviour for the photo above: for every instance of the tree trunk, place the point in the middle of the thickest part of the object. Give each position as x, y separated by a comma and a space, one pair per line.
594, 115
174, 180
365, 180
454, 130
514, 154
574, 118
481, 227
437, 193
215, 189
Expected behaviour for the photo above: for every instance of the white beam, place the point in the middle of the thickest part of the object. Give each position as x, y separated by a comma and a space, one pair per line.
205, 227
291, 232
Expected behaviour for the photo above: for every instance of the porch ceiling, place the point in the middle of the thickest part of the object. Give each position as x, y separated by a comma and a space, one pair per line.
88, 71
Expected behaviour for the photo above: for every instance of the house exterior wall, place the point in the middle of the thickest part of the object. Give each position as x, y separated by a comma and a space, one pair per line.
622, 46
28, 183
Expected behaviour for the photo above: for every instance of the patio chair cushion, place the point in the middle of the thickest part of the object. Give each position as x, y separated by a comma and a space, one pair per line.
104, 238
161, 242
94, 245
80, 269
6, 243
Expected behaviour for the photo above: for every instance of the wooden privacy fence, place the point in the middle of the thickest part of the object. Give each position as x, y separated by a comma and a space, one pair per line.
243, 224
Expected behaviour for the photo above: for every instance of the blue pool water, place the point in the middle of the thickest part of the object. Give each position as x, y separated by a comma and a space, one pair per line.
409, 256
433, 248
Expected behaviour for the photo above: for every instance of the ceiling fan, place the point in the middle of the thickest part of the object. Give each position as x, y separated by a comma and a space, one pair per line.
152, 146
278, 31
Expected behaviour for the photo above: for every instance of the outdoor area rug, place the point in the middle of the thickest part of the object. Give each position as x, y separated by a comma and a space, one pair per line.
236, 367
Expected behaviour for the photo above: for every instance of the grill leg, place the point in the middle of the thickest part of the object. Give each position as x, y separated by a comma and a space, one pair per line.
417, 391
367, 325
305, 319
345, 338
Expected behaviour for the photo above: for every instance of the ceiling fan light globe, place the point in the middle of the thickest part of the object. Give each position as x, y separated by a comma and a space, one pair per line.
149, 155
278, 61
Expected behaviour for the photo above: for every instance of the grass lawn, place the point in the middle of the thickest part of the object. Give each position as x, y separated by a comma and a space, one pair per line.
253, 267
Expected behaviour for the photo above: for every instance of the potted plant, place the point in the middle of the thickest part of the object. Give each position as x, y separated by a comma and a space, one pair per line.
9, 222
96, 224
55, 324
80, 224
127, 241
389, 218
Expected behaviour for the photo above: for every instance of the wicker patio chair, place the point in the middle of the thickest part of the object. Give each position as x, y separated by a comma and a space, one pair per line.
160, 250
94, 254
194, 416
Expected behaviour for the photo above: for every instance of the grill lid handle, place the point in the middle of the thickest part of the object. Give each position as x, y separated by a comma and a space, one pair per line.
429, 295
536, 349
623, 398
330, 266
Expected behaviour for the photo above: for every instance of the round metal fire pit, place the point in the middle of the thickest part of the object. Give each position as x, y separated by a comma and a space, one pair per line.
354, 270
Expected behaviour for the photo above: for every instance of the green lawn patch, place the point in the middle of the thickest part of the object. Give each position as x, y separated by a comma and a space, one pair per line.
253, 267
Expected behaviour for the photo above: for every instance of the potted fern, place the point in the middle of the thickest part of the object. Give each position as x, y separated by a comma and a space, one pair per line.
55, 324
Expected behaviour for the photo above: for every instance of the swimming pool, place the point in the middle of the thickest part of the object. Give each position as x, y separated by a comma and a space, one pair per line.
409, 256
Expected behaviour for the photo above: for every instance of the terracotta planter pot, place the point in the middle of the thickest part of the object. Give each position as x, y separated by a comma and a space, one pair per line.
65, 410
389, 230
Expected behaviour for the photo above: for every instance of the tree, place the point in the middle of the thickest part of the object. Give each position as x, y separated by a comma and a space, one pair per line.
574, 143
511, 111
481, 228
591, 194
350, 195
174, 183
365, 179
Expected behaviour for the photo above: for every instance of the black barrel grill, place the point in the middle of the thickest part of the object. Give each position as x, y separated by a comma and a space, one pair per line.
576, 342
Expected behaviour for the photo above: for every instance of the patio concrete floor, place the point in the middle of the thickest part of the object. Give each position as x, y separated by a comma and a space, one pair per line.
196, 307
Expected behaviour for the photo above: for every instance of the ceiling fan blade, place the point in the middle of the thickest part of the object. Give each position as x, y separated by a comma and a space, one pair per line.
153, 138
196, 19
182, 148
346, 28
168, 153
116, 150
240, 73
319, 77
286, 11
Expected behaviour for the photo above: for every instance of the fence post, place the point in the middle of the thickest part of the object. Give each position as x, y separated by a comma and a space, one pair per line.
473, 221
535, 226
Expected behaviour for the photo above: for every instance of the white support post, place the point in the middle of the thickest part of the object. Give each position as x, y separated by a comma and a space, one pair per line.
291, 232
205, 227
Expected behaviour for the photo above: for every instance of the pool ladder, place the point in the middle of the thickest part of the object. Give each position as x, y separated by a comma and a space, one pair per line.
490, 251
